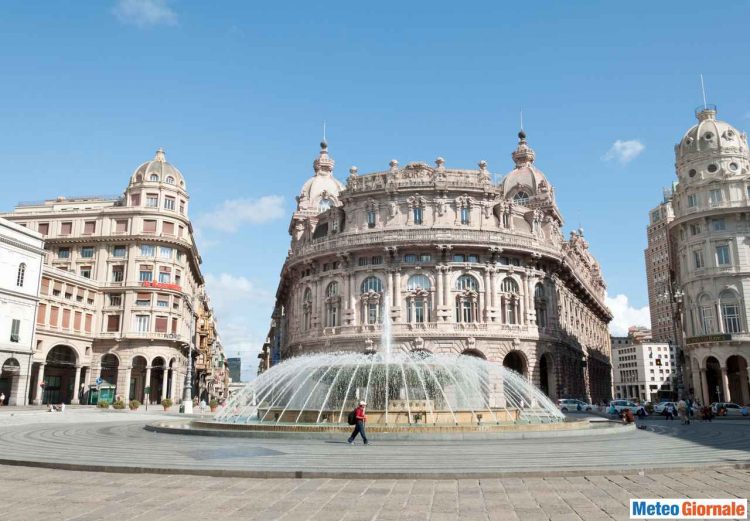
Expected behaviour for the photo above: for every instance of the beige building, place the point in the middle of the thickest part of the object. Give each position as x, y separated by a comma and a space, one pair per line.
711, 257
468, 266
643, 369
658, 278
120, 290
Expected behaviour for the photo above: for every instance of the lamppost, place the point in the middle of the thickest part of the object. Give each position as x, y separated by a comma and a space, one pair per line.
674, 297
187, 392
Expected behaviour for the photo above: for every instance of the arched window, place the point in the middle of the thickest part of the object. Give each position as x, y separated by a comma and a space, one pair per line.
21, 274
154, 177
730, 312
509, 286
170, 180
138, 178
510, 302
521, 198
418, 282
417, 215
705, 315
540, 305
324, 204
333, 302
371, 284
465, 215
307, 309
465, 282
371, 218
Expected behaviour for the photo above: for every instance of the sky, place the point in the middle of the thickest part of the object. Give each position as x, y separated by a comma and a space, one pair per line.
237, 93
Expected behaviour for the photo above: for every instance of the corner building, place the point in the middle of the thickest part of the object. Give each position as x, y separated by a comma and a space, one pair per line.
468, 267
120, 290
711, 257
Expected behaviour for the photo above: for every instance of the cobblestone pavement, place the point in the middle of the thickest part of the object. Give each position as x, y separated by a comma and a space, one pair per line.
99, 440
36, 494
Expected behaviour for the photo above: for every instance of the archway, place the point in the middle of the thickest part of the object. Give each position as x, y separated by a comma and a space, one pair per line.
138, 379
713, 380
516, 361
476, 353
9, 379
60, 375
547, 376
158, 380
737, 375
109, 369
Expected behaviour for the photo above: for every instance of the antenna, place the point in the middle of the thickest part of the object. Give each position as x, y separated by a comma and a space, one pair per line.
324, 129
703, 90
521, 113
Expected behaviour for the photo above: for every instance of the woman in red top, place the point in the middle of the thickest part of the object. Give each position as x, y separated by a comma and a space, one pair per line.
359, 427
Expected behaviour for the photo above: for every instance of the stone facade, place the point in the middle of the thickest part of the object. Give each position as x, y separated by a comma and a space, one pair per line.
121, 290
468, 267
21, 254
661, 304
711, 257
642, 369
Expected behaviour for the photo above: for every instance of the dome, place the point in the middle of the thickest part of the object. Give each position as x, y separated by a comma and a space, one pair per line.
158, 170
525, 178
710, 135
322, 190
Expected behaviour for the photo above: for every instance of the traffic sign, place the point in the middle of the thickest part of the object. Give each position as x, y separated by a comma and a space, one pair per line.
99, 381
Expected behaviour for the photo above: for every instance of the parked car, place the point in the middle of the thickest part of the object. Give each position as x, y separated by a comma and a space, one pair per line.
732, 408
571, 404
621, 405
660, 407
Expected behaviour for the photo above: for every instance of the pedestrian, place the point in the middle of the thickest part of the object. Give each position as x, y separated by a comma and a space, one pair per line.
669, 411
2, 399
359, 427
682, 411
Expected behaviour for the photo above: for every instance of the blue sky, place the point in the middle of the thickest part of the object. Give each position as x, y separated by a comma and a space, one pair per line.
236, 93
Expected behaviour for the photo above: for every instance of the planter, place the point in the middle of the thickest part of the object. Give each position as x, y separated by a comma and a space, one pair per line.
213, 409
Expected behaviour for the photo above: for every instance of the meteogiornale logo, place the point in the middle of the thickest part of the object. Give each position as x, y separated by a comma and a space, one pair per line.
688, 509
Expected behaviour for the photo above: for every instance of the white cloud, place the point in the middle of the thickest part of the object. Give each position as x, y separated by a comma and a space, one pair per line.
233, 213
145, 13
244, 315
625, 315
624, 151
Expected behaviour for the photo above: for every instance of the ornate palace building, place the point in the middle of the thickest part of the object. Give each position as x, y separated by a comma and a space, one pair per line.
122, 294
710, 258
468, 267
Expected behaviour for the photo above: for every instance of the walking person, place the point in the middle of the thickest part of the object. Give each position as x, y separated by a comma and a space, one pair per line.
359, 427
2, 399
669, 411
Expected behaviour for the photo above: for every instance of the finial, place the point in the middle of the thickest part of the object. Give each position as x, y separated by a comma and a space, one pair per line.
160, 156
394, 165
353, 171
523, 155
482, 165
440, 162
522, 136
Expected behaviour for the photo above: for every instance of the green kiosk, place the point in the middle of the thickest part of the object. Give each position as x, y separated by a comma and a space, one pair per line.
101, 392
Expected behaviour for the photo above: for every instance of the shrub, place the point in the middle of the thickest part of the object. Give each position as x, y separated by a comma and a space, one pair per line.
213, 403
104, 404
167, 403
134, 404
119, 404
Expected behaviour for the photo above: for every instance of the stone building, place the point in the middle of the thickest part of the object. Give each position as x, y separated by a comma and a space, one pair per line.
212, 373
711, 257
658, 277
468, 267
120, 290
21, 254
643, 369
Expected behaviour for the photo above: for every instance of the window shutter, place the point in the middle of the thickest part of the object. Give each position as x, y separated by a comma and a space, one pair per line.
168, 228
149, 226
121, 226
66, 319
41, 313
161, 324
89, 227
77, 320
89, 320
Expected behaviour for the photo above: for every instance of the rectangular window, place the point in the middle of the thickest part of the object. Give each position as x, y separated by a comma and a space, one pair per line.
113, 323
142, 323
177, 277
167, 228
376, 260
66, 319
119, 251
115, 299
695, 229
152, 201
473, 258
160, 324
41, 314
149, 226
714, 196
77, 319
169, 203
143, 299
66, 228
118, 273
148, 250
135, 200
698, 259
692, 200
121, 226
181, 231
87, 252
15, 330
165, 252
425, 257
174, 326
43, 228
162, 301
459, 257
164, 276
371, 218
719, 225
464, 215
410, 258
707, 319
63, 253
363, 261
722, 255
417, 216
730, 313
54, 315
89, 321
182, 207
89, 227
86, 271
146, 274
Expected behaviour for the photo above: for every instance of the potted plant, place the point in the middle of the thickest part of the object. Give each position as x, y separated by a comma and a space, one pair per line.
214, 403
166, 403
104, 404
118, 404
134, 404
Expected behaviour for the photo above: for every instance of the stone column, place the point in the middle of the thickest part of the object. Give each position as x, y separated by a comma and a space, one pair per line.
744, 391
164, 382
38, 391
493, 288
173, 387
704, 387
147, 395
76, 387
725, 385
697, 391
487, 294
437, 296
126, 391
446, 285
719, 321
397, 289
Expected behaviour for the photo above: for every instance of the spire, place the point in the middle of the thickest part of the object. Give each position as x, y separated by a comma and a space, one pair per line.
160, 156
324, 164
523, 155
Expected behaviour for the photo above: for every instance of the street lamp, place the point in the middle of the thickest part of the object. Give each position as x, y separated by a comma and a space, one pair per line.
187, 392
675, 296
